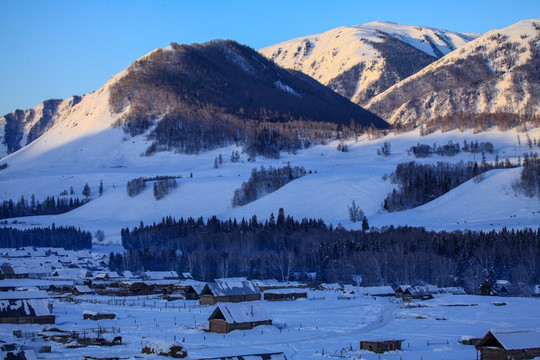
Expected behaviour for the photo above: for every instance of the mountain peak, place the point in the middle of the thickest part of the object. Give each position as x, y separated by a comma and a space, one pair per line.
496, 73
360, 62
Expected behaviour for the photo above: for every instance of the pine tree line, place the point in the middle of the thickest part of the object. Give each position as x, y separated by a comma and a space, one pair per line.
529, 182
64, 237
50, 206
450, 149
421, 183
283, 245
265, 181
162, 187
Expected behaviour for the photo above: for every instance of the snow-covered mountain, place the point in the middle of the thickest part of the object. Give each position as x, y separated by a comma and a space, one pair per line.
362, 61
85, 144
496, 73
21, 127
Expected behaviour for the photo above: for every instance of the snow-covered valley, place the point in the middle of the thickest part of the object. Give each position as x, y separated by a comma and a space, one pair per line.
328, 324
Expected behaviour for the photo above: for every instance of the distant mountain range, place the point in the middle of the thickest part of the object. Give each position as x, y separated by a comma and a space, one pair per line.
206, 115
411, 75
199, 97
497, 73
407, 75
362, 61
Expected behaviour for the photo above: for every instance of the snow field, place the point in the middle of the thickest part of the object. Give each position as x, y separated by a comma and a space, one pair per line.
337, 179
301, 329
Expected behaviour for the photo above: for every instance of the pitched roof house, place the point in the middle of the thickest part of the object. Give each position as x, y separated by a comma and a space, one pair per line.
229, 317
516, 345
229, 290
25, 307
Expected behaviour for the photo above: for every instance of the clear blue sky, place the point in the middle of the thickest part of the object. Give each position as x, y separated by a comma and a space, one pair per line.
56, 49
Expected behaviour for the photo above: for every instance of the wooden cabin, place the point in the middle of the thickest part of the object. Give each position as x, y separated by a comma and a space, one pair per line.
381, 346
229, 290
400, 289
25, 307
81, 290
228, 317
284, 294
192, 291
516, 345
418, 293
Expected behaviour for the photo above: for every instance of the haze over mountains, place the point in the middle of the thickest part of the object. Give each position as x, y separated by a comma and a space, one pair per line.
175, 111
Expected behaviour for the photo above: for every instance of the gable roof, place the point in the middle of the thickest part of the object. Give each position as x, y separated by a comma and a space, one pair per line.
83, 289
375, 290
161, 275
20, 295
234, 286
513, 340
26, 307
240, 313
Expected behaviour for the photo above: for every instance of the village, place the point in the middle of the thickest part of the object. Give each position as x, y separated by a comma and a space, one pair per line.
57, 303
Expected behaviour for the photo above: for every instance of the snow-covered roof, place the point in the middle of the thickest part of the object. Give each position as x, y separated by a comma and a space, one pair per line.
454, 290
19, 295
515, 340
275, 283
70, 273
26, 307
83, 289
402, 288
233, 286
334, 286
27, 283
241, 312
128, 274
286, 291
161, 275
375, 290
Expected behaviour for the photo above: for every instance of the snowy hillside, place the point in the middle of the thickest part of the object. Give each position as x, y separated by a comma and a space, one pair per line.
21, 127
83, 145
67, 157
496, 73
361, 61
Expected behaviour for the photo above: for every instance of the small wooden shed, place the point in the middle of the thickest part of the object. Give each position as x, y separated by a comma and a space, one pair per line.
381, 346
417, 293
400, 289
228, 317
81, 290
516, 345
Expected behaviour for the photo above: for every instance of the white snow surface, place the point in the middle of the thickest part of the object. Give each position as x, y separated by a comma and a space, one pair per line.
325, 56
82, 147
302, 329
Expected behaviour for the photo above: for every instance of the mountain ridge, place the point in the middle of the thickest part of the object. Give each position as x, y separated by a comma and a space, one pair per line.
365, 52
496, 73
